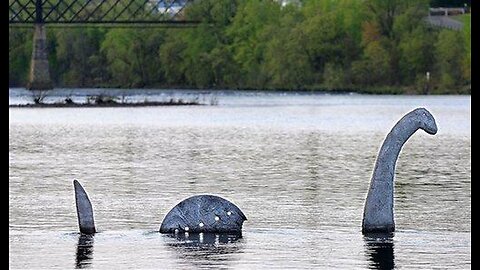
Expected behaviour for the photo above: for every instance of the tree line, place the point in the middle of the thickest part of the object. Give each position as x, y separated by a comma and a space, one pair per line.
378, 46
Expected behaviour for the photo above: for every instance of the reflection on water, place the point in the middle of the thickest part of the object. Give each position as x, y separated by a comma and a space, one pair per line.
84, 251
202, 240
206, 249
379, 249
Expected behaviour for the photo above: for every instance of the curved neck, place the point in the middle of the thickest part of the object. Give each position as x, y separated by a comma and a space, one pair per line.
387, 156
378, 211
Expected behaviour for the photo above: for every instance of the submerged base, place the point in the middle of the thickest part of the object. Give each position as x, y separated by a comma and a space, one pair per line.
378, 229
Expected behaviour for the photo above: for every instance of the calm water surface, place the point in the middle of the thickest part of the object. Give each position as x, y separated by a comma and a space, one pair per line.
298, 165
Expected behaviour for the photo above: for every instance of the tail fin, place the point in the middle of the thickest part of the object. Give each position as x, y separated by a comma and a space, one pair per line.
84, 210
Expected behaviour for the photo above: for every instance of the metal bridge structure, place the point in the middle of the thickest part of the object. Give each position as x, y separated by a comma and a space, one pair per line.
104, 13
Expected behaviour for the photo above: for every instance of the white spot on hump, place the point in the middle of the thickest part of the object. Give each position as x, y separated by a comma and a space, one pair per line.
229, 213
187, 229
217, 218
176, 230
201, 224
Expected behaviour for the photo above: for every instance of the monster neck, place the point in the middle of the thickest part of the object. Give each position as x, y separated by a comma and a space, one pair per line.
378, 212
388, 154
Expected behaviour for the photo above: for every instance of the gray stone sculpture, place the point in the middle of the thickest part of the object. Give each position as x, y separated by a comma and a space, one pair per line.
378, 210
204, 213
201, 213
84, 209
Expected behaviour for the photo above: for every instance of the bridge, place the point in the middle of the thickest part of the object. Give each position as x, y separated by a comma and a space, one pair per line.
136, 13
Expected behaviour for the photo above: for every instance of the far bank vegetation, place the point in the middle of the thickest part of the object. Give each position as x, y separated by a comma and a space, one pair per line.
377, 46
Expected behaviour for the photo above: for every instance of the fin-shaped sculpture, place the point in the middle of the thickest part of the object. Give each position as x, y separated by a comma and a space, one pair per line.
201, 213
84, 210
378, 210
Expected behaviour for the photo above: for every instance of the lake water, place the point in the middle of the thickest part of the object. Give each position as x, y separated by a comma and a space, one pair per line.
297, 164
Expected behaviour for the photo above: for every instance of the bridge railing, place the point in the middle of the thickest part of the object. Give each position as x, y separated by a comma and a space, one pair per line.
96, 11
39, 13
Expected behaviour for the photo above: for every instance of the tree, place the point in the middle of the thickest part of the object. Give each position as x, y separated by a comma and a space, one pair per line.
417, 54
246, 41
286, 63
76, 57
374, 67
19, 55
129, 56
449, 51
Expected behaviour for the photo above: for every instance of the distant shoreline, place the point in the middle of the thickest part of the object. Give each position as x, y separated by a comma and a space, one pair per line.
373, 90
102, 105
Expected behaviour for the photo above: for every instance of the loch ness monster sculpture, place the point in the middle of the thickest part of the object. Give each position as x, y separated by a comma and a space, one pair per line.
213, 214
378, 208
196, 214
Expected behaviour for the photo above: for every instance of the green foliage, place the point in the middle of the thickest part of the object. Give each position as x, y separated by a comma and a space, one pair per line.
19, 55
171, 58
417, 53
449, 53
129, 56
286, 62
368, 45
248, 39
374, 68
467, 62
76, 61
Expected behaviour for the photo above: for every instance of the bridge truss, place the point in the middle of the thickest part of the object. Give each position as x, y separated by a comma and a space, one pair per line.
115, 13
97, 12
